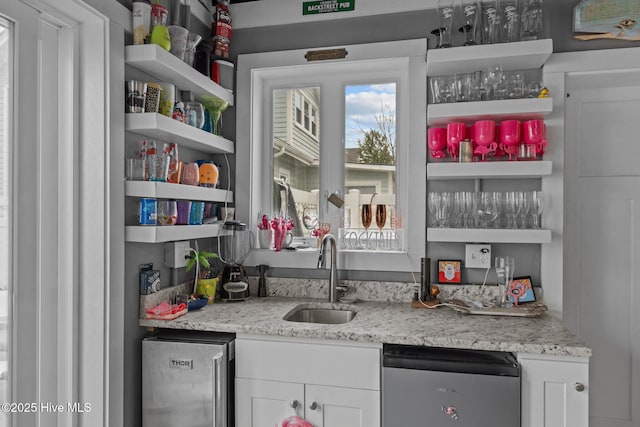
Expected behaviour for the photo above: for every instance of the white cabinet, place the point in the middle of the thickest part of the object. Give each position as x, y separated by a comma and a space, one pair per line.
266, 403
331, 384
162, 66
555, 391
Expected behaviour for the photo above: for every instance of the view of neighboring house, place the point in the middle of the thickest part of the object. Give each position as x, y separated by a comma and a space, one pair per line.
296, 147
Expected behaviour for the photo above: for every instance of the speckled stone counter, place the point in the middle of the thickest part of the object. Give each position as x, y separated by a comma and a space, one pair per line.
387, 322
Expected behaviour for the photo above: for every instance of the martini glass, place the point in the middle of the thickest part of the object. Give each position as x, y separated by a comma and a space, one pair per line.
215, 106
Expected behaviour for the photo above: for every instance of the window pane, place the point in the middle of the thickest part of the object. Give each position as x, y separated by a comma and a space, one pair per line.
296, 158
370, 156
5, 103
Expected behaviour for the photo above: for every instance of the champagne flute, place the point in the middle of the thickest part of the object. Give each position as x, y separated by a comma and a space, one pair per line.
367, 216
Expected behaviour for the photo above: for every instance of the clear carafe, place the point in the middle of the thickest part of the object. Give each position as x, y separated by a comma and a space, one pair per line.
236, 242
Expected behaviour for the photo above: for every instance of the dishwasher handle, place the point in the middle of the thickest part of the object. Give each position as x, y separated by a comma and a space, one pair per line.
217, 390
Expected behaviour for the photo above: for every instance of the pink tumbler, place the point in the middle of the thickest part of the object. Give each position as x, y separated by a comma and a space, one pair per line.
511, 136
437, 142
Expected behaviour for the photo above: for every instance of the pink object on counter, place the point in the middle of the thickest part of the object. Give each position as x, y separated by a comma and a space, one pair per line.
295, 421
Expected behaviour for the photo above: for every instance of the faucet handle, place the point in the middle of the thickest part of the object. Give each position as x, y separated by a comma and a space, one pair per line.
342, 288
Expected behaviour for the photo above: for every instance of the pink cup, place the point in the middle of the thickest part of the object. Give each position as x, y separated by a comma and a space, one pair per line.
437, 142
485, 132
511, 132
533, 131
456, 132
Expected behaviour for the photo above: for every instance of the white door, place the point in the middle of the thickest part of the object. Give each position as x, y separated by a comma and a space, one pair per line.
262, 403
602, 237
342, 407
555, 393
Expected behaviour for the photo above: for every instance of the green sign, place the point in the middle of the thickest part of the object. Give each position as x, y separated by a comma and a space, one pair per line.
327, 6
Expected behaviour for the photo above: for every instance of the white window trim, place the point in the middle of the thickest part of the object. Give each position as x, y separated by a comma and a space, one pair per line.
253, 72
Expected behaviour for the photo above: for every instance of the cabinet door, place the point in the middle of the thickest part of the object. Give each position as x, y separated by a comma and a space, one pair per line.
554, 393
342, 407
262, 403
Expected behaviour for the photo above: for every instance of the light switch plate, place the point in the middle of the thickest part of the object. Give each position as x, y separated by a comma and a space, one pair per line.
176, 253
477, 256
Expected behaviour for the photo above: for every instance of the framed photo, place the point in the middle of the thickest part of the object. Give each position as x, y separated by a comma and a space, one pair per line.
528, 295
449, 271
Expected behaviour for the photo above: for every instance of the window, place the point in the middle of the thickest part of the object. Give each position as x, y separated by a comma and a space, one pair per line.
356, 128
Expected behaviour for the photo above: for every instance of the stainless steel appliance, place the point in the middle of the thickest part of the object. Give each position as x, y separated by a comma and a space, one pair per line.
188, 379
442, 387
236, 244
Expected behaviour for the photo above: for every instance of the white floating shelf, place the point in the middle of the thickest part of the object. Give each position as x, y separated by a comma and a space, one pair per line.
166, 67
511, 56
469, 112
154, 125
502, 169
476, 235
169, 233
167, 190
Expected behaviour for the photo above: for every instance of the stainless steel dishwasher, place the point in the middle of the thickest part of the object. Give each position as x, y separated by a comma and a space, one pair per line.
438, 387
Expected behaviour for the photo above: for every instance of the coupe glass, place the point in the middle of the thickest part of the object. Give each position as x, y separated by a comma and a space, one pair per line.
445, 9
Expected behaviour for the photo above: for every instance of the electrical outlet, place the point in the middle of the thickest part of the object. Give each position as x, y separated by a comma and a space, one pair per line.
176, 254
477, 256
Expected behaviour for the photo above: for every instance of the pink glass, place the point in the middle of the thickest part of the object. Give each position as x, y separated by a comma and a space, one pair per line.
534, 134
485, 131
510, 136
456, 132
437, 142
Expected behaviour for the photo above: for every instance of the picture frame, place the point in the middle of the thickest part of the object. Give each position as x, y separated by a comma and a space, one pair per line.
529, 295
449, 271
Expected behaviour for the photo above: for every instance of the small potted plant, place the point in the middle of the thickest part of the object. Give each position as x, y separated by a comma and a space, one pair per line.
205, 281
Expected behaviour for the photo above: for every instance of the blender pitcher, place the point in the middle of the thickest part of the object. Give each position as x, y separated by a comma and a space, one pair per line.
236, 244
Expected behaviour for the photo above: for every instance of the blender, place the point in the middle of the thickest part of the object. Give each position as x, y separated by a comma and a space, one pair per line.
236, 243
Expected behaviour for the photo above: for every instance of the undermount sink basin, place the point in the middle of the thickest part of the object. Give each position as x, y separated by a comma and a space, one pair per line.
320, 315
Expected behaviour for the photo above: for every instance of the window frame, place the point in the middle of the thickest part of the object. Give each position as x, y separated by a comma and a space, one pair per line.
260, 73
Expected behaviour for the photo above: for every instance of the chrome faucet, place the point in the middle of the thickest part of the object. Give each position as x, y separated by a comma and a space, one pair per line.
333, 275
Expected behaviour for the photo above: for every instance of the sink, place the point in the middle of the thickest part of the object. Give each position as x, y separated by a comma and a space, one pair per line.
320, 315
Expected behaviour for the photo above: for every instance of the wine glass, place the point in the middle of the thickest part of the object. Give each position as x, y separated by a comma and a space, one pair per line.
486, 209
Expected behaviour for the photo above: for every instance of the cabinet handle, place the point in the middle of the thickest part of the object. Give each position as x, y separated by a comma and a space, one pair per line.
313, 406
294, 404
579, 387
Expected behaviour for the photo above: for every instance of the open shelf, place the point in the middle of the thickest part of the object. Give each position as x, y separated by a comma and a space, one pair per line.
481, 235
167, 190
469, 112
502, 169
511, 56
169, 233
154, 125
164, 66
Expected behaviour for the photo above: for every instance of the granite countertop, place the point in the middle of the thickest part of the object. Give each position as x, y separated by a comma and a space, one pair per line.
387, 322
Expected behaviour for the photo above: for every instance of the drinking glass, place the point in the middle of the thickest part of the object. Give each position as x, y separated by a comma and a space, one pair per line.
462, 88
493, 76
486, 210
437, 142
381, 216
526, 198
366, 216
470, 11
531, 20
310, 217
432, 203
511, 208
456, 132
445, 9
515, 86
490, 22
194, 114
510, 18
498, 197
167, 212
478, 91
468, 209
537, 204
443, 209
505, 266
442, 89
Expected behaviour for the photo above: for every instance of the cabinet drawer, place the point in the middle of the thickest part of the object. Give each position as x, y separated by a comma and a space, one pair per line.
309, 362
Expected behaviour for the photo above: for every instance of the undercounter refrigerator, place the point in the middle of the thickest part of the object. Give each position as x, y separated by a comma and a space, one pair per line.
188, 379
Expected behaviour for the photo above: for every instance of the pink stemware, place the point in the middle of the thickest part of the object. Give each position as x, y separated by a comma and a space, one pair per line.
456, 132
437, 142
510, 136
485, 133
534, 134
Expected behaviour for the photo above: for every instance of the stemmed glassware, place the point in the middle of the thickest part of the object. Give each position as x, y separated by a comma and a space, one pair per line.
511, 208
486, 210
493, 78
310, 217
216, 106
525, 198
536, 207
366, 216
